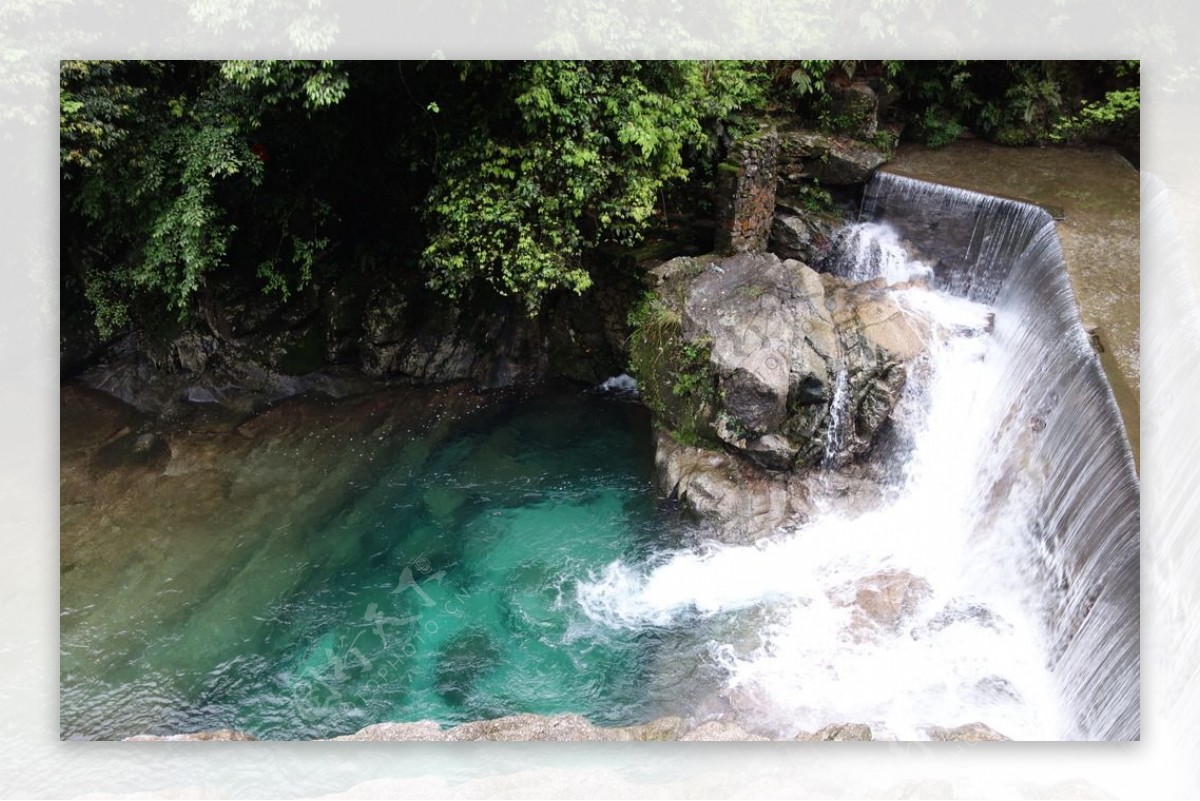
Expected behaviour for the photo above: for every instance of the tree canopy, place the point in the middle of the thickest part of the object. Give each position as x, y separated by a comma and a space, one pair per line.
465, 177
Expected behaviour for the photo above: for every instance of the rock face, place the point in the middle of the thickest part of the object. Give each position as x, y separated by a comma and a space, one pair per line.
342, 343
763, 369
832, 159
797, 233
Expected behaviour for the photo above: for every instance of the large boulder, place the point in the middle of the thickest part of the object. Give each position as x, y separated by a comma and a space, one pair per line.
726, 490
760, 370
803, 368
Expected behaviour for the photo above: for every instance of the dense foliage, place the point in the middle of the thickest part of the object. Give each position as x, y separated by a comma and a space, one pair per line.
543, 160
182, 180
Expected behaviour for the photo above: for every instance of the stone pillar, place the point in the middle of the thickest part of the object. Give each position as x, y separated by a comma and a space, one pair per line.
745, 190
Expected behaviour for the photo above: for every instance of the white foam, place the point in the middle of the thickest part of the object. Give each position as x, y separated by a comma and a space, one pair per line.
621, 384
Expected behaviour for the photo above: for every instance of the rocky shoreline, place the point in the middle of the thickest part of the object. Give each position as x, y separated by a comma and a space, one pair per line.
576, 728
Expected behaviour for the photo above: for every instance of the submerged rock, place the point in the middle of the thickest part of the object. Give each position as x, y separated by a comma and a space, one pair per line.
881, 601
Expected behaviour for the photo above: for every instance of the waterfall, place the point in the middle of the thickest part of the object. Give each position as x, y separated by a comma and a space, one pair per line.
839, 418
1000, 583
873, 250
1058, 425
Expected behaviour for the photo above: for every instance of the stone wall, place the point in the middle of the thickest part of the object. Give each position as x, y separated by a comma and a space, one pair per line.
745, 190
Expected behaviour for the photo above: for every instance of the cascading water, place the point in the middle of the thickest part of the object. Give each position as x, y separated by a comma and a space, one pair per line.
874, 250
1056, 426
1001, 583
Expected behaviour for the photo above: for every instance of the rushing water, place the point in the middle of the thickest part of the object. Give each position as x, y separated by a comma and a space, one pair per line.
1009, 545
970, 648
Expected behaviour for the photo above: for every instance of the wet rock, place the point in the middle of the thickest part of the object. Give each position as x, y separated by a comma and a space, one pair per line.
528, 727
838, 732
660, 730
422, 731
192, 351
962, 613
745, 503
796, 233
968, 733
779, 334
882, 600
789, 370
772, 451
145, 442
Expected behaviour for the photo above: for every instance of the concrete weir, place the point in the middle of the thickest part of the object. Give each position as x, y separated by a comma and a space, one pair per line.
1093, 194
1063, 426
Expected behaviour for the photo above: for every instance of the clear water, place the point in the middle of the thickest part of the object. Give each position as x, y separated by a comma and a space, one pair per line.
449, 595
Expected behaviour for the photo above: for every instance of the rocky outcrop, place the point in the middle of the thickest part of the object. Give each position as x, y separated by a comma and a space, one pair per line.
804, 367
834, 159
576, 728
348, 343
799, 233
762, 369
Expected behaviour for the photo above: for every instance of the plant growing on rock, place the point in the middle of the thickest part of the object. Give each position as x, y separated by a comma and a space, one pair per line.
673, 373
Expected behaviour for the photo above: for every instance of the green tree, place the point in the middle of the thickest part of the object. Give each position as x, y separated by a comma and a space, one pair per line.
542, 161
159, 167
